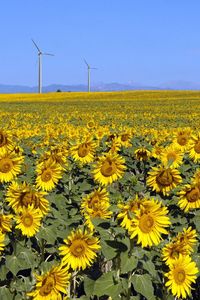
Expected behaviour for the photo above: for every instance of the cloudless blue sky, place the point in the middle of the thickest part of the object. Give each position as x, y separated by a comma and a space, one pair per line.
143, 41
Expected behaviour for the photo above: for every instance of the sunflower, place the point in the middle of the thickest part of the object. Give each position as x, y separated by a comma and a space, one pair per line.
181, 139
181, 244
91, 124
95, 205
196, 178
188, 238
194, 148
48, 174
149, 223
2, 239
5, 223
83, 152
156, 151
57, 154
109, 168
189, 197
172, 157
181, 275
125, 139
29, 220
142, 154
114, 147
129, 208
80, 249
6, 143
163, 179
21, 195
10, 166
51, 285
172, 250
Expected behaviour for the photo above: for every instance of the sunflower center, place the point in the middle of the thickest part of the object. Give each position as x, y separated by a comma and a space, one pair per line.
108, 168
3, 139
93, 202
165, 178
142, 154
6, 165
78, 248
83, 150
193, 195
175, 253
182, 139
47, 285
90, 124
146, 223
27, 220
197, 147
46, 175
28, 198
171, 156
124, 137
179, 276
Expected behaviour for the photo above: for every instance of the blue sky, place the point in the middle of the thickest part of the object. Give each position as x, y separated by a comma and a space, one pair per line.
143, 41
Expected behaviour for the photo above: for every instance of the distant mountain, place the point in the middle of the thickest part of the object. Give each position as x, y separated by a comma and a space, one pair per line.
73, 88
180, 85
114, 86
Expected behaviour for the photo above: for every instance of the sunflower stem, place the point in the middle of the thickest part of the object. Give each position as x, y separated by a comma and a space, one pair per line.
129, 286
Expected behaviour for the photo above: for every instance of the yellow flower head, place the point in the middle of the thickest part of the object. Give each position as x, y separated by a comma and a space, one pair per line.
181, 139
181, 244
5, 223
194, 147
22, 195
181, 276
10, 166
149, 223
163, 179
96, 205
51, 285
2, 244
142, 154
109, 168
172, 157
79, 250
83, 152
189, 197
48, 174
29, 220
6, 143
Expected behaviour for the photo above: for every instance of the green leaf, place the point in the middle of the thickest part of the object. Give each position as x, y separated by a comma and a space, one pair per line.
106, 286
48, 234
13, 264
150, 267
3, 272
143, 285
5, 294
89, 286
107, 251
127, 263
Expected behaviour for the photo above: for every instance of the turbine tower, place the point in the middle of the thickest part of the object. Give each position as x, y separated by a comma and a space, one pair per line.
89, 68
40, 53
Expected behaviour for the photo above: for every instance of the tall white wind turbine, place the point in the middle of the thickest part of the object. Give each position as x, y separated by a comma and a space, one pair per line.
89, 68
40, 53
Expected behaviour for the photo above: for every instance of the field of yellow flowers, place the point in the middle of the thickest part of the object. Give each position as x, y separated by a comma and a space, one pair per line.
100, 196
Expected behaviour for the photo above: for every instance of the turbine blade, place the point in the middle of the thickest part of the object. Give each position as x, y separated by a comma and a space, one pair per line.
48, 54
36, 45
94, 68
86, 63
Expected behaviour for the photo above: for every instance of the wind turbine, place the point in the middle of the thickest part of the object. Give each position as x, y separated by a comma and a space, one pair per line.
40, 53
89, 68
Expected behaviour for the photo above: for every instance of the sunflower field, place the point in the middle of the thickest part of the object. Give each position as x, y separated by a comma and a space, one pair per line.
100, 196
